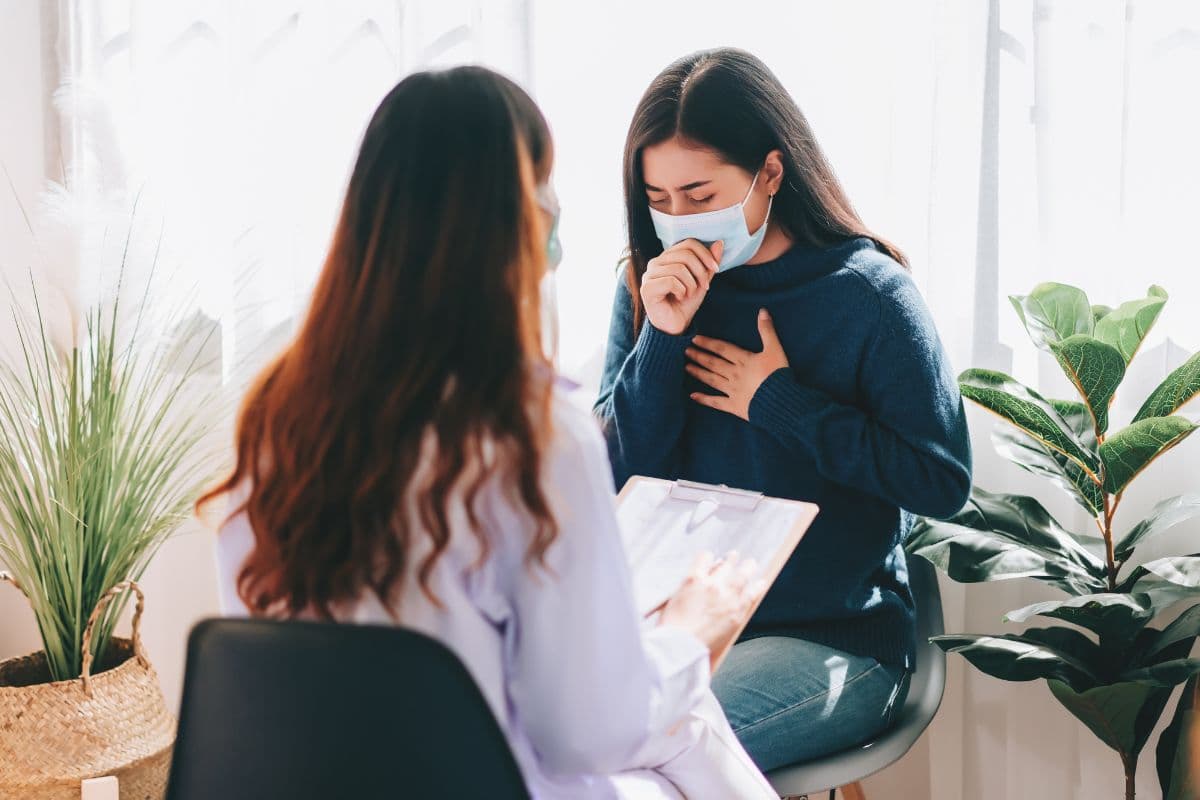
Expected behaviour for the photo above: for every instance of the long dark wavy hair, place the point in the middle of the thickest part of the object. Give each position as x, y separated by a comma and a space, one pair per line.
424, 323
728, 101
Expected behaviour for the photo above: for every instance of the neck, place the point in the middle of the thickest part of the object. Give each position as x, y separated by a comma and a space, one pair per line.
775, 244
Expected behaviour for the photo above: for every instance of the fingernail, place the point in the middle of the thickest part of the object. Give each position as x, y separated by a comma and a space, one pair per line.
762, 313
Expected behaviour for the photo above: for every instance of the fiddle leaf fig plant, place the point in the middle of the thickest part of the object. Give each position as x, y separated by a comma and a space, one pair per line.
1098, 652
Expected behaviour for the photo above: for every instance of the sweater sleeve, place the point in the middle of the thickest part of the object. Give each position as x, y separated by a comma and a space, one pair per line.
908, 443
642, 404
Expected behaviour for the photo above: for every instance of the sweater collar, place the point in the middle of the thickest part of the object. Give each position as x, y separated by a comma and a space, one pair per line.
799, 264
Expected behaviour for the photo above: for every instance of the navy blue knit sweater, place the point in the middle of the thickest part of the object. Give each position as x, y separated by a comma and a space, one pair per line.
867, 422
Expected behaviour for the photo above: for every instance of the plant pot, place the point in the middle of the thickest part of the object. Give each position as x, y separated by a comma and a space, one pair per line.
54, 735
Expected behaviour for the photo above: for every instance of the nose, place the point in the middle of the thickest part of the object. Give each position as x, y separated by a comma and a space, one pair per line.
676, 204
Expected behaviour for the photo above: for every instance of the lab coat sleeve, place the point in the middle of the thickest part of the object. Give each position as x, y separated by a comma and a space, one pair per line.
235, 543
589, 686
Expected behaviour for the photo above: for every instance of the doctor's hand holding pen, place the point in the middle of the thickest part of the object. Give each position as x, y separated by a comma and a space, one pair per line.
715, 600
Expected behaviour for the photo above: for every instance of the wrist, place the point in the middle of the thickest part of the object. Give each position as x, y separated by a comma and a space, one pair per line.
669, 330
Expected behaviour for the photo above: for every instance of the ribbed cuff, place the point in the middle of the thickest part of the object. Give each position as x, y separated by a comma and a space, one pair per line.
781, 403
660, 354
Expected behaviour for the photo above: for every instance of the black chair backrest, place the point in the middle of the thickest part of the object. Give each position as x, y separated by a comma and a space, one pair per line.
302, 710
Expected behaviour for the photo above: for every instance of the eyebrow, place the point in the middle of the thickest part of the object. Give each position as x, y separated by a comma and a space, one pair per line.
687, 188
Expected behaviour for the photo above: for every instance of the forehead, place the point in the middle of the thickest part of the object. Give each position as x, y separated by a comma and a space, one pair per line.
673, 163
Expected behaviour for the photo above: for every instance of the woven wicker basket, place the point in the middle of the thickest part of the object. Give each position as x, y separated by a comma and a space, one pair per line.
55, 735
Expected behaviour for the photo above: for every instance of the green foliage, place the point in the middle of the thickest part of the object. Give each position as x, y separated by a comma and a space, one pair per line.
1176, 389
99, 464
999, 536
1127, 325
1027, 410
1105, 663
1096, 369
1130, 450
1178, 772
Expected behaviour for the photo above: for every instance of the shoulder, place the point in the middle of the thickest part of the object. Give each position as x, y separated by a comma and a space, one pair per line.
576, 437
890, 285
878, 272
235, 543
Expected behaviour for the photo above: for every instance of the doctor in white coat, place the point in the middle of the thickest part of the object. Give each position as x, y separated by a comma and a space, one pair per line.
408, 460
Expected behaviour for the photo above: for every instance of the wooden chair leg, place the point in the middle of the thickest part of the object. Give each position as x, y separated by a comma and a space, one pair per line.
854, 791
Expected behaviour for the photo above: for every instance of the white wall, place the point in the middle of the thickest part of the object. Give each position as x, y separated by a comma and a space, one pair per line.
23, 157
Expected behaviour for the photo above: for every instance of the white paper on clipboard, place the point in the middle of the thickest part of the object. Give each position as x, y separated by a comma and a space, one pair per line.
665, 524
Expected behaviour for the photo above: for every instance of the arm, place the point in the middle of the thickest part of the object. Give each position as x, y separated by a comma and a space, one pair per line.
642, 404
589, 687
909, 445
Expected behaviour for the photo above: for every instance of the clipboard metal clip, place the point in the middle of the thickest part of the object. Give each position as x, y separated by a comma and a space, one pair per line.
715, 496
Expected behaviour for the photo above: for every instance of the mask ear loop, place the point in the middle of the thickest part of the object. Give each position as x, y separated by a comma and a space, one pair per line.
750, 191
767, 216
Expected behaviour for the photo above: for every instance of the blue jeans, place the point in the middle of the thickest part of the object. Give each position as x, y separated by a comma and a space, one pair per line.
789, 700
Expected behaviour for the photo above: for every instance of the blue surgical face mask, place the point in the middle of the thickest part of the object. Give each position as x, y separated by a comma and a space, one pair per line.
727, 225
548, 201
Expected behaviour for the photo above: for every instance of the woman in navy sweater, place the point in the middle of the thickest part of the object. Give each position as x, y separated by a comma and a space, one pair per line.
763, 338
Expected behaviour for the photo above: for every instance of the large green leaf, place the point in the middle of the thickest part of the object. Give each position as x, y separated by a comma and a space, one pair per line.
1032, 456
1178, 769
1096, 369
1052, 312
1185, 627
1130, 450
1116, 618
1028, 410
1166, 674
1001, 536
1013, 657
1179, 570
1127, 325
1122, 715
1164, 515
1078, 418
1166, 580
1100, 311
1178, 388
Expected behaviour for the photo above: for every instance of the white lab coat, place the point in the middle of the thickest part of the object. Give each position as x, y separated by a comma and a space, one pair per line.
594, 704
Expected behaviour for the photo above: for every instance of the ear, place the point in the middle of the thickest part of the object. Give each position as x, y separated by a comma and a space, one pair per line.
773, 169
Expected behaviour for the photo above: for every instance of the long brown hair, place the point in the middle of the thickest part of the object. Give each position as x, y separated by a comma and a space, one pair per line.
728, 101
424, 326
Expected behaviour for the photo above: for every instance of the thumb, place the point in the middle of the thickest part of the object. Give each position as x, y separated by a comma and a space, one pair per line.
766, 330
718, 249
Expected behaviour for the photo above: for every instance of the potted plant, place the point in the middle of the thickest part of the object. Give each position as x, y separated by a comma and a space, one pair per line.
1098, 652
99, 463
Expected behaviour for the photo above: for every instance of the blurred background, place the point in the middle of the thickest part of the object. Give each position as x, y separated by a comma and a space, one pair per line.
999, 144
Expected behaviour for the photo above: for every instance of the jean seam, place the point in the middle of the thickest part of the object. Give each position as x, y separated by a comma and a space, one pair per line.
806, 700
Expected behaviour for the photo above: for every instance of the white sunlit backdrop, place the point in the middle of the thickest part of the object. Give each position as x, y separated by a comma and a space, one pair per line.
1000, 144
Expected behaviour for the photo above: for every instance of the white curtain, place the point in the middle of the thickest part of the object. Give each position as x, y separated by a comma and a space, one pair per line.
998, 143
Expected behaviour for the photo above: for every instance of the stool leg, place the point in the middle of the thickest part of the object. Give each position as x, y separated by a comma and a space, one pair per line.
854, 791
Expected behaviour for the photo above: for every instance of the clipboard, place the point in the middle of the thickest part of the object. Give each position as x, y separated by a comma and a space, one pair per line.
665, 524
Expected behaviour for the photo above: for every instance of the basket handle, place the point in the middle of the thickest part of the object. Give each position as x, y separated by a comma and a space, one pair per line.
138, 651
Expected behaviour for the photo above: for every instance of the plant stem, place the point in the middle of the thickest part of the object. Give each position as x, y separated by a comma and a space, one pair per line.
1106, 530
1130, 789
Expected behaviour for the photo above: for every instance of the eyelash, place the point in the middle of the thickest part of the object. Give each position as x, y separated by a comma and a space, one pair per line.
697, 201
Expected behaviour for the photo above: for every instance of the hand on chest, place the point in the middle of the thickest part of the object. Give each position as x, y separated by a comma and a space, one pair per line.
733, 370
735, 352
